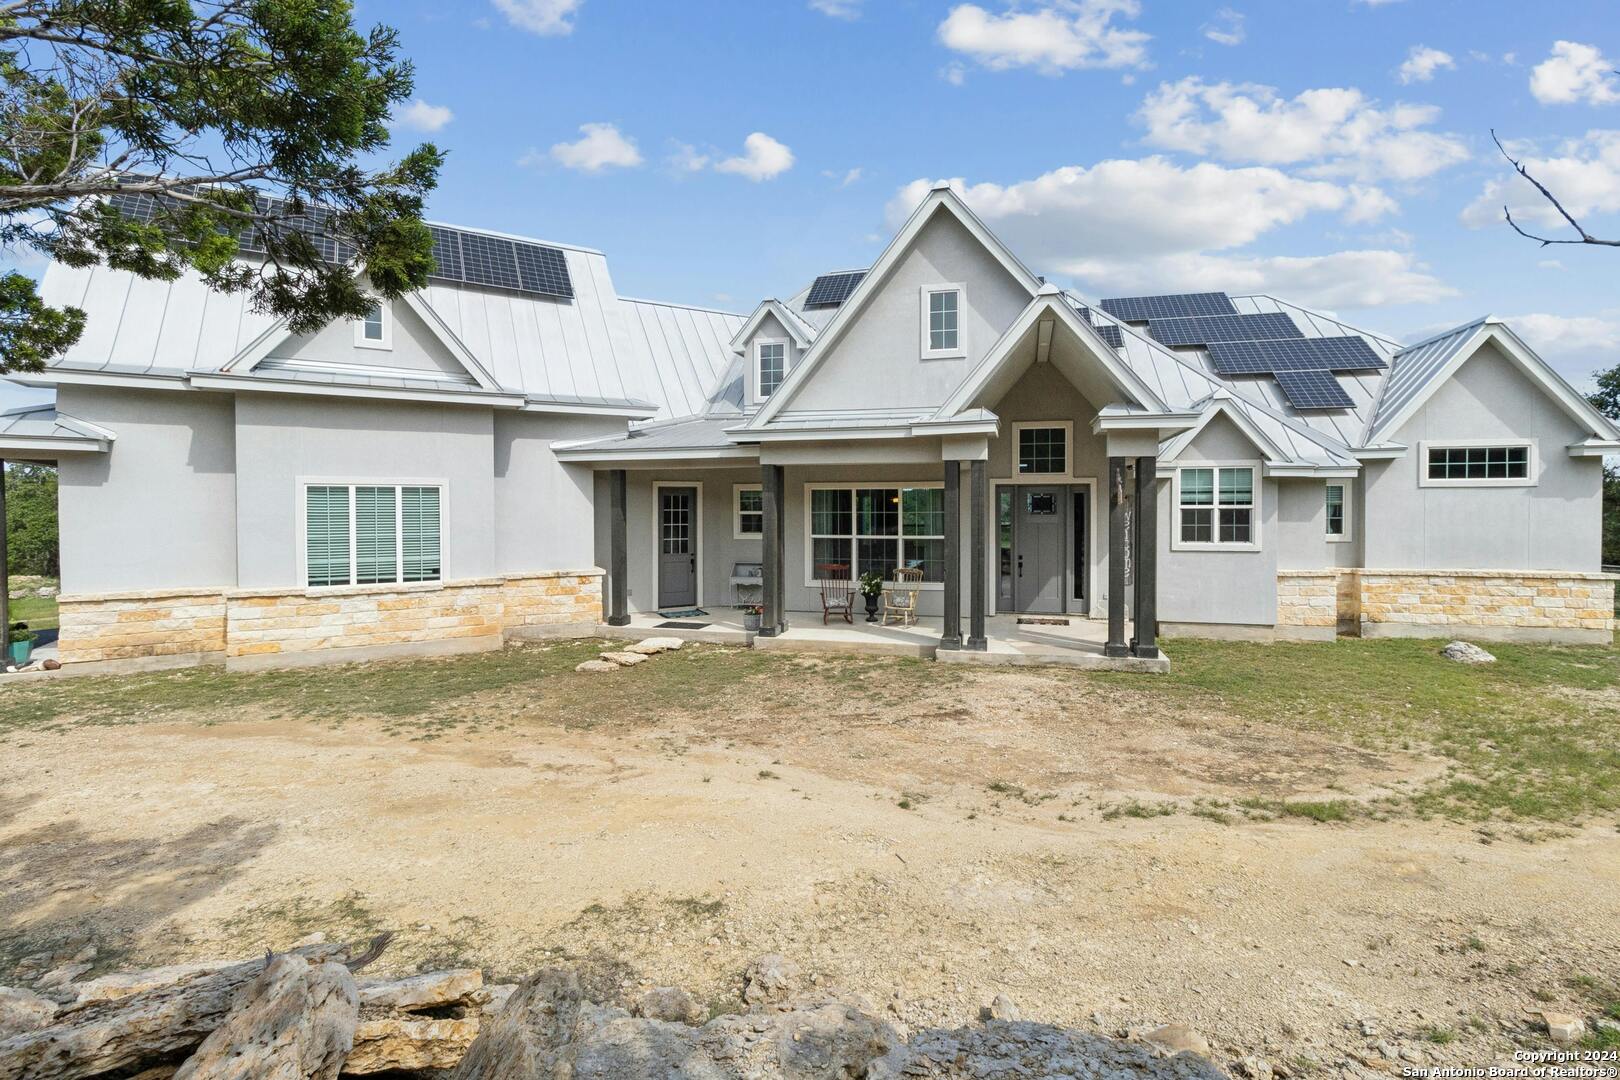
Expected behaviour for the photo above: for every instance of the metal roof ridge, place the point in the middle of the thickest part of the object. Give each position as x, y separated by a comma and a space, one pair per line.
683, 307
1453, 332
516, 236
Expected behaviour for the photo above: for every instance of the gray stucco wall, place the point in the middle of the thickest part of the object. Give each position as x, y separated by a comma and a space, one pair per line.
413, 345
543, 508
159, 510
1301, 535
1554, 525
280, 439
877, 363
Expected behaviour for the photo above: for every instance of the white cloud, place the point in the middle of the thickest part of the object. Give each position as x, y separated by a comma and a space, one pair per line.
420, 116
1575, 73
762, 159
1056, 36
838, 9
1422, 62
1578, 346
1226, 28
686, 158
1343, 279
844, 178
1550, 264
600, 146
1583, 172
955, 74
544, 17
1337, 131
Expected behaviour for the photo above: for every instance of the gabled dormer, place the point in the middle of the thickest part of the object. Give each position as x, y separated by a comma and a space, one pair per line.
771, 343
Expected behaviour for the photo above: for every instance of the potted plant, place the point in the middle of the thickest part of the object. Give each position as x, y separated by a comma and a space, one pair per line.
751, 616
871, 587
20, 641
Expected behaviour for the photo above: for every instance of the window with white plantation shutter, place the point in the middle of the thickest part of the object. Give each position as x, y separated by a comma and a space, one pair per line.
371, 534
420, 530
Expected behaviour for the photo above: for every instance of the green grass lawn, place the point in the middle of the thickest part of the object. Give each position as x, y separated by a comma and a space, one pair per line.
1534, 737
39, 612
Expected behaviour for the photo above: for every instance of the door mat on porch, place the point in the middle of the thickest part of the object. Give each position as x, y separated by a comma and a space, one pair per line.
679, 625
683, 613
1041, 620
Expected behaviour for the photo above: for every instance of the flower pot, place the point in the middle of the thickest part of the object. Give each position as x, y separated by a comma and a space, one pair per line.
872, 608
750, 621
22, 652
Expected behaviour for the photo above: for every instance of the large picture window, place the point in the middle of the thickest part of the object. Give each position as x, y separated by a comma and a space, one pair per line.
1507, 464
371, 534
856, 530
1216, 506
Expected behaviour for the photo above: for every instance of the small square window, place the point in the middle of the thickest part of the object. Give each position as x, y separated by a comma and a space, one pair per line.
1040, 503
1043, 451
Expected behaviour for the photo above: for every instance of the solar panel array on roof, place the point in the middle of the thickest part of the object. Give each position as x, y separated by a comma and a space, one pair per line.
830, 290
1143, 308
1205, 329
1112, 334
1304, 354
1313, 390
459, 257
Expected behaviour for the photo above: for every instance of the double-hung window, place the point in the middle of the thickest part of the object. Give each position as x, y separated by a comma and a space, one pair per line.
371, 534
859, 530
1505, 464
1338, 511
942, 321
1216, 506
373, 331
749, 513
772, 367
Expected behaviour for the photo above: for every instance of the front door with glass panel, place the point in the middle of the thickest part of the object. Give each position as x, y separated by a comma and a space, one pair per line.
677, 547
1040, 548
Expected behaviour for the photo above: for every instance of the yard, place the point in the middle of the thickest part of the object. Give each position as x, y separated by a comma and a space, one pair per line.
1272, 844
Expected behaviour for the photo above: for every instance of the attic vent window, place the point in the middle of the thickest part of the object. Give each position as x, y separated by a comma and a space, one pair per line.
372, 331
772, 367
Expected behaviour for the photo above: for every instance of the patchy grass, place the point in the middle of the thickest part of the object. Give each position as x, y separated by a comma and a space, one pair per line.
39, 612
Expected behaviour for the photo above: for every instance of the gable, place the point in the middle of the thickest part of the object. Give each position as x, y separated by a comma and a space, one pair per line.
414, 347
1222, 440
1488, 397
770, 328
876, 360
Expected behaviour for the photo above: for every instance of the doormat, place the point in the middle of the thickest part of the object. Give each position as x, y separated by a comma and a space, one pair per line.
682, 613
1041, 620
678, 625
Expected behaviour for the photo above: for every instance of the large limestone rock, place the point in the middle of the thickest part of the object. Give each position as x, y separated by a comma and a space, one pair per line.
400, 1043
296, 1021
625, 659
668, 1003
419, 992
1464, 652
654, 645
769, 978
125, 984
597, 666
23, 1011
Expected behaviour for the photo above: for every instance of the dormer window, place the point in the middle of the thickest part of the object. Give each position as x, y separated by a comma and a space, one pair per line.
942, 334
772, 368
373, 331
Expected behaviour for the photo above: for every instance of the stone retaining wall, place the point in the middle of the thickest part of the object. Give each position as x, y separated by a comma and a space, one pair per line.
232, 623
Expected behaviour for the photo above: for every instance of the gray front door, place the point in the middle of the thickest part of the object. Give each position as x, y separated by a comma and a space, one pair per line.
1039, 549
677, 547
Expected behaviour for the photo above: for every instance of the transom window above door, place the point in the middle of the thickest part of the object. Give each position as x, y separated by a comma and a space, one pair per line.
1042, 449
942, 322
1216, 507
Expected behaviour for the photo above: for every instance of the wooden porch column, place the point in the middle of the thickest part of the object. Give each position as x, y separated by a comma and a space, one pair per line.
1145, 610
771, 496
951, 638
1118, 508
618, 613
976, 553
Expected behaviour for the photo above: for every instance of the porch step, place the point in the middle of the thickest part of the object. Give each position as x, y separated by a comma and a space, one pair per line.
805, 643
713, 634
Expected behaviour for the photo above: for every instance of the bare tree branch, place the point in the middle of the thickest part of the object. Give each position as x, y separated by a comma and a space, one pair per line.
1518, 167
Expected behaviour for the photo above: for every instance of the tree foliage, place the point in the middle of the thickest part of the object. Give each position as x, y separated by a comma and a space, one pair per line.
1611, 516
255, 119
31, 536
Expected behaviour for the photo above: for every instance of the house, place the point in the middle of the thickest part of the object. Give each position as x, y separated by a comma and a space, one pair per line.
517, 450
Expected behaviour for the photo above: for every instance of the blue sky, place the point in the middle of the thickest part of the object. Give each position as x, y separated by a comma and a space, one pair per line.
1334, 152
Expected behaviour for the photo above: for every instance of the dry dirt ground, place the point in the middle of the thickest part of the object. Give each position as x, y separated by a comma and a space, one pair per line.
928, 848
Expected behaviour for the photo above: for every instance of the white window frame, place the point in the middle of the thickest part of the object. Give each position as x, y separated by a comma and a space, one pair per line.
1342, 485
1532, 464
759, 360
386, 342
1258, 487
737, 532
1068, 450
302, 494
960, 350
852, 486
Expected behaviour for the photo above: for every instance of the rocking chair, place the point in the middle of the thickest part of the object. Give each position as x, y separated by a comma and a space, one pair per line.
837, 592
900, 600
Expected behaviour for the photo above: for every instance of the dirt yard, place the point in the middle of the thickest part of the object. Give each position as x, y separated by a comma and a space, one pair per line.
1302, 854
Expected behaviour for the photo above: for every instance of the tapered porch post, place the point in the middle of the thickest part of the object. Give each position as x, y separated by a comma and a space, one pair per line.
771, 494
1118, 508
1145, 613
951, 637
618, 613
976, 553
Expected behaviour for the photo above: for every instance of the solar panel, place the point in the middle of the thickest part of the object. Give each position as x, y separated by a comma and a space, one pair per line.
1113, 335
1313, 390
459, 257
830, 290
1208, 328
1302, 354
1143, 308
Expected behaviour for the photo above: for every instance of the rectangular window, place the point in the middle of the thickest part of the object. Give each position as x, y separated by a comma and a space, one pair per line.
1507, 464
372, 329
371, 534
1336, 526
854, 531
1043, 451
772, 367
942, 316
1216, 505
750, 513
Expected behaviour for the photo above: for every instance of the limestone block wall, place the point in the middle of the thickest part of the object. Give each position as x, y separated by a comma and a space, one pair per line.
231, 623
1308, 598
1541, 603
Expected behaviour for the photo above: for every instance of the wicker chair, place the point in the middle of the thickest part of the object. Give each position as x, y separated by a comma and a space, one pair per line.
900, 599
837, 592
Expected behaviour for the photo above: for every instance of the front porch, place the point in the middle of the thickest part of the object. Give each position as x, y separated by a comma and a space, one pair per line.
1010, 640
